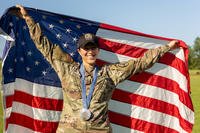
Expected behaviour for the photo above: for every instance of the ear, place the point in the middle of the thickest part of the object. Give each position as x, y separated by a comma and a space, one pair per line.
79, 51
98, 49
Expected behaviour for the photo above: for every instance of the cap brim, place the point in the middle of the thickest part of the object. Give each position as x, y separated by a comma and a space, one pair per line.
92, 44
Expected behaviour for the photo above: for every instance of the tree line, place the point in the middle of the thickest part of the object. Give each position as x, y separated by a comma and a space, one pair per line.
194, 55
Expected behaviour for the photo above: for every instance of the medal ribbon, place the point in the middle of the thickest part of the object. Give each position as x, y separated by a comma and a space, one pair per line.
87, 99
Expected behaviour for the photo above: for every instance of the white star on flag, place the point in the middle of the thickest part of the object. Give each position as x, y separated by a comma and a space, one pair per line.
24, 27
51, 26
58, 36
75, 39
44, 73
44, 17
68, 30
61, 21
21, 59
10, 70
23, 43
11, 24
28, 69
65, 45
37, 63
29, 53
78, 26
72, 54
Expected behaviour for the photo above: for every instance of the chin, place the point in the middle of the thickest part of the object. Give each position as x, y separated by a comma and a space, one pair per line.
91, 62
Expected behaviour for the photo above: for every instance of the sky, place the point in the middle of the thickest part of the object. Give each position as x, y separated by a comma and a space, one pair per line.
176, 19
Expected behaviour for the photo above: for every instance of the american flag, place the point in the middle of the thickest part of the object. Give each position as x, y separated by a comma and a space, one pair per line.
154, 101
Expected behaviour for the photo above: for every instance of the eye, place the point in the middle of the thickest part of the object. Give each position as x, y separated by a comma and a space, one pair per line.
93, 48
86, 49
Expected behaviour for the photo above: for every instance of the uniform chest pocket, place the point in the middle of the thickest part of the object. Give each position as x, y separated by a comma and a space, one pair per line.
74, 94
72, 88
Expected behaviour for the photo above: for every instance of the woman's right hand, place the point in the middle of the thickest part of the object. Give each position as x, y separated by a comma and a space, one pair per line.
22, 11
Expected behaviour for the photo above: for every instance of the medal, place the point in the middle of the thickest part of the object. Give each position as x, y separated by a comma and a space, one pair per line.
85, 114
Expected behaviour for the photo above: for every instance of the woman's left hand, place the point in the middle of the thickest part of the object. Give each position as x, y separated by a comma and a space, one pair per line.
173, 44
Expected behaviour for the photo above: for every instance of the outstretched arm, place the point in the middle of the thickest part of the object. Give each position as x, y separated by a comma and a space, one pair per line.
121, 71
50, 51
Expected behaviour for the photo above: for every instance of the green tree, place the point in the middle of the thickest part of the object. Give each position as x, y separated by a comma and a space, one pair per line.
196, 53
191, 58
197, 46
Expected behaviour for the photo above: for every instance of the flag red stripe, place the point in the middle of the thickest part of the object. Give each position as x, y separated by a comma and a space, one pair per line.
138, 124
148, 78
151, 103
136, 52
37, 102
9, 101
36, 125
121, 48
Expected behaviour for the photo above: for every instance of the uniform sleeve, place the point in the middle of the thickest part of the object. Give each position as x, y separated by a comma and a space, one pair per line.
52, 52
121, 71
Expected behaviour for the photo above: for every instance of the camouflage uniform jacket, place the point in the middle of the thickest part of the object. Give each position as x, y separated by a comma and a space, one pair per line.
108, 77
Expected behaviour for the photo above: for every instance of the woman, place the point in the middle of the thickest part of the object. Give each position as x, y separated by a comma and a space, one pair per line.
87, 88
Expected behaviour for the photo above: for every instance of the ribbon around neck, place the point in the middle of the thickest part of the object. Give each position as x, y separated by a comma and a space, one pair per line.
87, 99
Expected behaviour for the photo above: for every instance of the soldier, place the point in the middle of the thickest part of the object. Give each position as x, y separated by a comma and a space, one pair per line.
88, 88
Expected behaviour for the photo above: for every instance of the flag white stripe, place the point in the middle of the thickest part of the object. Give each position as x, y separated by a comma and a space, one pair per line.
134, 40
130, 39
8, 89
179, 53
34, 113
5, 35
160, 94
34, 89
146, 115
120, 129
157, 69
12, 128
7, 112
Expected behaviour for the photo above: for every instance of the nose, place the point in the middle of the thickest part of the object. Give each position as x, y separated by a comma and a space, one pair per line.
90, 51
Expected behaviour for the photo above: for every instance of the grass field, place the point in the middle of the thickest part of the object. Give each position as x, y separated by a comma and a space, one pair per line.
195, 88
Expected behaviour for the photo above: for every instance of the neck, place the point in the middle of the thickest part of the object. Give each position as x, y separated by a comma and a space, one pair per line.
89, 67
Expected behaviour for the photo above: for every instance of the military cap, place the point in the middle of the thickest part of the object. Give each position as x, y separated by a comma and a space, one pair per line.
87, 38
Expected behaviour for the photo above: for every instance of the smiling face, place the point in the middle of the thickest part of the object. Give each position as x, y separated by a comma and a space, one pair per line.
89, 54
